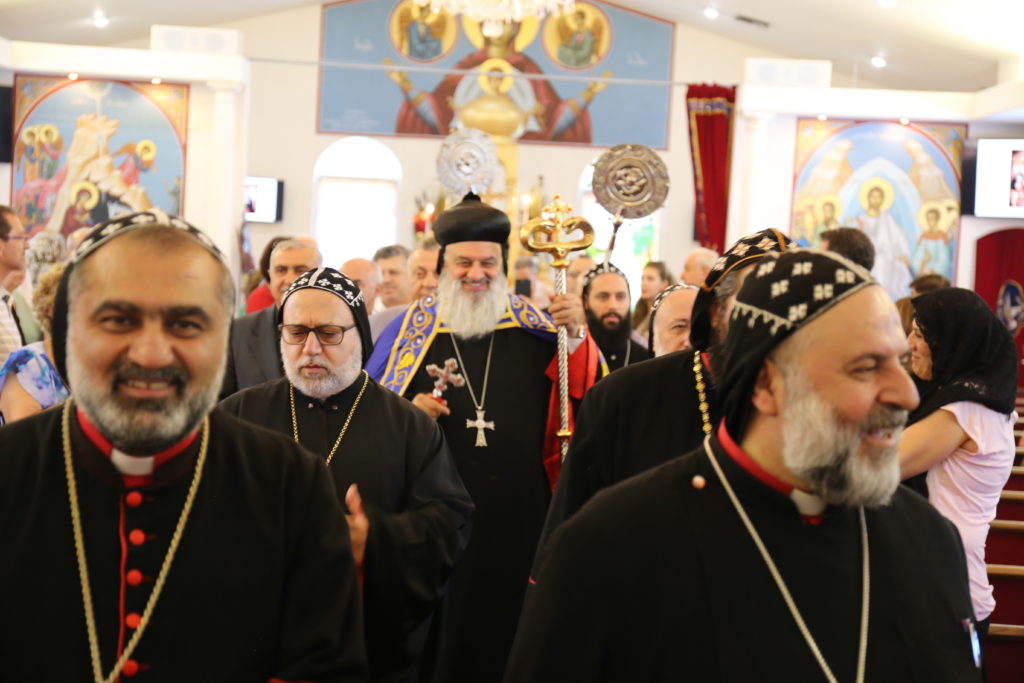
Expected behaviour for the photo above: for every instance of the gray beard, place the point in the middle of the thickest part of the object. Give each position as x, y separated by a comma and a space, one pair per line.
826, 451
143, 426
337, 379
470, 316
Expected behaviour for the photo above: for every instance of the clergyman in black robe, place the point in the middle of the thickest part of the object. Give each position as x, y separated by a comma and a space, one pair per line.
480, 362
143, 534
404, 477
647, 414
606, 302
787, 553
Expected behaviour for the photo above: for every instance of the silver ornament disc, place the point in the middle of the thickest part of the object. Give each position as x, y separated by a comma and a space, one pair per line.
467, 161
631, 181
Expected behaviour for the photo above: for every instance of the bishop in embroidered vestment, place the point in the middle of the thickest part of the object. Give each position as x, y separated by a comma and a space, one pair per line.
497, 417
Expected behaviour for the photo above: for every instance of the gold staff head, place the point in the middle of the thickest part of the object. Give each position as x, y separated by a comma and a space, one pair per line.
547, 233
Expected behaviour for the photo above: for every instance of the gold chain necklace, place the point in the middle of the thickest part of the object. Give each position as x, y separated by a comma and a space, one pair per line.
344, 427
701, 392
83, 569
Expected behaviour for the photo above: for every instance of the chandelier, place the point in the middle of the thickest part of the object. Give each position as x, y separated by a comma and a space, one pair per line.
493, 15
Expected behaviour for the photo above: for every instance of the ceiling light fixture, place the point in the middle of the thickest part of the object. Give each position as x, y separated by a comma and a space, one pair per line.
156, 81
100, 20
711, 13
72, 76
822, 117
878, 61
904, 121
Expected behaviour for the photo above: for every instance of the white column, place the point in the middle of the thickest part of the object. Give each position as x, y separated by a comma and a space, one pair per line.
220, 165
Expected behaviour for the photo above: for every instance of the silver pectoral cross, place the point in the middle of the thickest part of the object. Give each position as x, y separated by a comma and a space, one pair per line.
480, 425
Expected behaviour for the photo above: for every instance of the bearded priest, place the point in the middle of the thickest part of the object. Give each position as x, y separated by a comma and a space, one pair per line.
782, 549
408, 512
144, 533
482, 363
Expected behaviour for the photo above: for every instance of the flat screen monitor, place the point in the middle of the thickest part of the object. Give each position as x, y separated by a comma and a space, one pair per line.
999, 182
263, 198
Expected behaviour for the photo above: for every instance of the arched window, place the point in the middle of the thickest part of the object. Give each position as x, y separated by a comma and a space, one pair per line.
635, 242
355, 196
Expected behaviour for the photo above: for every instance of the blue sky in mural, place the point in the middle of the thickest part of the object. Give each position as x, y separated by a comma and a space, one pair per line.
628, 45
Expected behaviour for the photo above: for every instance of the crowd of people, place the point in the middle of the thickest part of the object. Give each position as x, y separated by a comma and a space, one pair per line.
354, 471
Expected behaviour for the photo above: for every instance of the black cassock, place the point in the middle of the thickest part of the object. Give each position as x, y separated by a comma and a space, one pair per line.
418, 509
508, 484
262, 585
616, 358
657, 580
634, 419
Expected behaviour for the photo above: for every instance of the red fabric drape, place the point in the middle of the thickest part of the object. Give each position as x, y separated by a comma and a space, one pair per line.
999, 269
710, 111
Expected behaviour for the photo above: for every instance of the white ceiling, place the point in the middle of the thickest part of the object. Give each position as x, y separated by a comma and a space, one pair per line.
929, 44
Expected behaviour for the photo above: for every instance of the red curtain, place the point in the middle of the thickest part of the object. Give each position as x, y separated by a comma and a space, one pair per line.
710, 111
999, 280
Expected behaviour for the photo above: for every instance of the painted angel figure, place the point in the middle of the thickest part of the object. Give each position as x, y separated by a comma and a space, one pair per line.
578, 40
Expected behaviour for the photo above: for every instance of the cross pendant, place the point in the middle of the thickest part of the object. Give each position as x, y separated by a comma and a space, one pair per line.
480, 425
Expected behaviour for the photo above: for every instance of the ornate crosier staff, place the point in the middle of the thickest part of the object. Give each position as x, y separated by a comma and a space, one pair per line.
547, 233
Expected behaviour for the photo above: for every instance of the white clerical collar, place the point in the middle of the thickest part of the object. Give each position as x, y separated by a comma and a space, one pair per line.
132, 465
810, 506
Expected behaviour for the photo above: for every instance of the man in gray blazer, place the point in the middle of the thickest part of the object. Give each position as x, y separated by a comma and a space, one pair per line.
253, 356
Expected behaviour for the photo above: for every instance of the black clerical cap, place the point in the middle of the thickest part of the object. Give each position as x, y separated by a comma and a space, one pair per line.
601, 269
472, 221
783, 293
101, 235
747, 250
338, 284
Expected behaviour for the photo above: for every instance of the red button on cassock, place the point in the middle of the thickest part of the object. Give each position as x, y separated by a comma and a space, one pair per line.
132, 620
137, 537
131, 667
133, 499
134, 577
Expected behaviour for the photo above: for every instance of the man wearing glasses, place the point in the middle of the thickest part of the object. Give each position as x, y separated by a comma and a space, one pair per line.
408, 510
12, 258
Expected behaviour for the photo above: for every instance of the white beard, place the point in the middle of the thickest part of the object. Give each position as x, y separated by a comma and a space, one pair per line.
827, 452
143, 426
337, 379
470, 315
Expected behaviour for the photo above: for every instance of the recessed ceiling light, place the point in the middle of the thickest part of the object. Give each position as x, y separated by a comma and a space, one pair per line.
156, 81
72, 76
100, 20
711, 13
878, 61
904, 121
822, 117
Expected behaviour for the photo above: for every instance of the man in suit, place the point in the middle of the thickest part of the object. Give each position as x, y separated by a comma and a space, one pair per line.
253, 356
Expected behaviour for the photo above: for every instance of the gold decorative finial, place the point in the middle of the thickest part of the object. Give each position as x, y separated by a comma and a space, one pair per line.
547, 232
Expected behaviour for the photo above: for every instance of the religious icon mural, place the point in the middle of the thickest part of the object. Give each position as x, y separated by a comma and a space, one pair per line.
898, 183
534, 80
577, 39
87, 150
